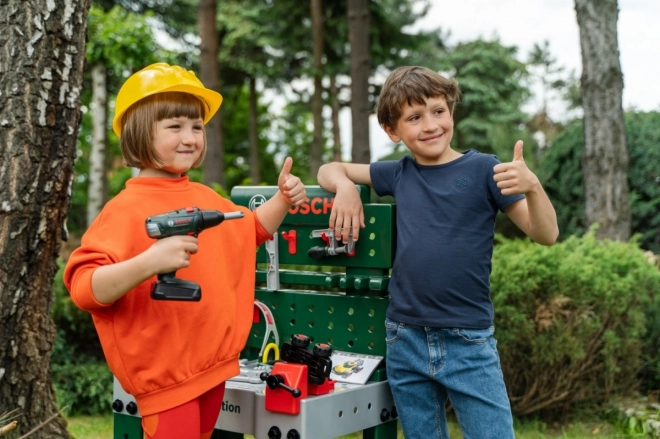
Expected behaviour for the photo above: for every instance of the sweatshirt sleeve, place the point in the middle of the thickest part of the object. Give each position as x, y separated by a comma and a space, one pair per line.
111, 238
262, 234
78, 275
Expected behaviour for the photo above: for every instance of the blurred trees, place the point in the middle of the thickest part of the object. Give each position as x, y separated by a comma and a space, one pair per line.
489, 115
214, 162
358, 37
120, 43
40, 111
562, 175
267, 47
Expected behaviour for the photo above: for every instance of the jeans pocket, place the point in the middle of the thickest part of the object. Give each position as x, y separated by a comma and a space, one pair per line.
475, 336
391, 330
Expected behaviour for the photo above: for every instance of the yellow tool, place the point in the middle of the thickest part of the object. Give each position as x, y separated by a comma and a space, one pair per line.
270, 346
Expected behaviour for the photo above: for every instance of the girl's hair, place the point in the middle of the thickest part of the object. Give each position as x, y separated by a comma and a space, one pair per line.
413, 85
139, 126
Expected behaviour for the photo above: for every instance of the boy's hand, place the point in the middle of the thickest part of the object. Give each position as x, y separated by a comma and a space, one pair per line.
514, 177
347, 214
290, 186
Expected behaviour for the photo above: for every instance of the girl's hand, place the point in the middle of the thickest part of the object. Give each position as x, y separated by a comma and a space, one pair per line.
290, 186
172, 253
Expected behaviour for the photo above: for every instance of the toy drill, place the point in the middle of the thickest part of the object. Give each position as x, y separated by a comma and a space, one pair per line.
186, 221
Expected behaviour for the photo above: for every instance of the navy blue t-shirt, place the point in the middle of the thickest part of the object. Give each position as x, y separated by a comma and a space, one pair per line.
445, 218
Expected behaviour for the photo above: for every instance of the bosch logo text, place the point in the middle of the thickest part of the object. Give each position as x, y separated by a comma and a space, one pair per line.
315, 206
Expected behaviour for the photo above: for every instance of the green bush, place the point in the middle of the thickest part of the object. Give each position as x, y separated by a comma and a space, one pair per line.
86, 388
571, 320
76, 326
560, 171
81, 378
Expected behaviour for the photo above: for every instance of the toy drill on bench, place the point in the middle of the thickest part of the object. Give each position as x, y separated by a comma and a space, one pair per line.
186, 221
301, 372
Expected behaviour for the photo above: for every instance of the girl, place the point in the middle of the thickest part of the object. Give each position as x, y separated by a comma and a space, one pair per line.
173, 357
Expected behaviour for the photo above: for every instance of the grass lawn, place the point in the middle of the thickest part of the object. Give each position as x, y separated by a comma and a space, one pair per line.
90, 427
100, 427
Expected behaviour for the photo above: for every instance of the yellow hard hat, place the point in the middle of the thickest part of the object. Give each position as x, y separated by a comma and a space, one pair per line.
160, 78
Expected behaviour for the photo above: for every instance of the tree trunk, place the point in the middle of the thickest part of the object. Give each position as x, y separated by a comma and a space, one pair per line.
214, 163
605, 158
316, 158
41, 72
336, 134
358, 37
97, 189
253, 136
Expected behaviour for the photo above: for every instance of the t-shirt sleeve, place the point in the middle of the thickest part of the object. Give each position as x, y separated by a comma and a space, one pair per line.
383, 176
501, 201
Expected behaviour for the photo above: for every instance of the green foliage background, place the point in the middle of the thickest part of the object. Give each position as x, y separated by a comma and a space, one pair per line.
560, 172
81, 377
577, 323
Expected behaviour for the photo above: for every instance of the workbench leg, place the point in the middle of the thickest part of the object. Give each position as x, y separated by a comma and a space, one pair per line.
127, 427
221, 434
387, 430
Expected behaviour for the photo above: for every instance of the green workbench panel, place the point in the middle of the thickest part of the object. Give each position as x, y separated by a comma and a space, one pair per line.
374, 248
127, 427
387, 430
352, 323
314, 212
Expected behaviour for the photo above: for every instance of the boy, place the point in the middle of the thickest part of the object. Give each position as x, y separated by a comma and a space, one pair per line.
439, 323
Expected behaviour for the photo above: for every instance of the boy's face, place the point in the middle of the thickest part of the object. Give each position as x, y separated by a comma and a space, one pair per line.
179, 142
426, 130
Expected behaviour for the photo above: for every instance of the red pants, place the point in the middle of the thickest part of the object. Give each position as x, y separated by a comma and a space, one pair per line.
192, 420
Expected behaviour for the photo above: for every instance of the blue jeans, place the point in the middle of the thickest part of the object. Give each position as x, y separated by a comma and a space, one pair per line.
427, 366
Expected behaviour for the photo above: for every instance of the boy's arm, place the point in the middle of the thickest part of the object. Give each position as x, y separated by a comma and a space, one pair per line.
347, 215
535, 214
291, 191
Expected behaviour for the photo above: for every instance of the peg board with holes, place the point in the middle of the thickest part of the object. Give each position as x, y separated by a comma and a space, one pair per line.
336, 299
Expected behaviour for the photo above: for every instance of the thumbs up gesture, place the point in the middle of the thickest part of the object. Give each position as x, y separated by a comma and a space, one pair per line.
515, 177
290, 186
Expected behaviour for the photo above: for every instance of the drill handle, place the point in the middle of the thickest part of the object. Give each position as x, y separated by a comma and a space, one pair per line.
166, 276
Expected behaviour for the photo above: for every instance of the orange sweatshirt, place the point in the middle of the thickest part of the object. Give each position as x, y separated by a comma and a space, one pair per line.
166, 353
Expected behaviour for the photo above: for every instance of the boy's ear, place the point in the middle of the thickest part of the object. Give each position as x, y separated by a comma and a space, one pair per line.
394, 137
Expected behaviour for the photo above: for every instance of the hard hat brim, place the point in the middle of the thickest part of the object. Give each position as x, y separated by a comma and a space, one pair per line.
211, 99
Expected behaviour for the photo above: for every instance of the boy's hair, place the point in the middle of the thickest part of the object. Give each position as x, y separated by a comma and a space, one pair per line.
139, 126
413, 85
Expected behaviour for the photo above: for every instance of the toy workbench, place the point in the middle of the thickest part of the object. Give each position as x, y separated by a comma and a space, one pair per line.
314, 296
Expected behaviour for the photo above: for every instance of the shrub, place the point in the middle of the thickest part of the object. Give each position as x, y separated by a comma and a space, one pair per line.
85, 387
81, 378
570, 320
77, 327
